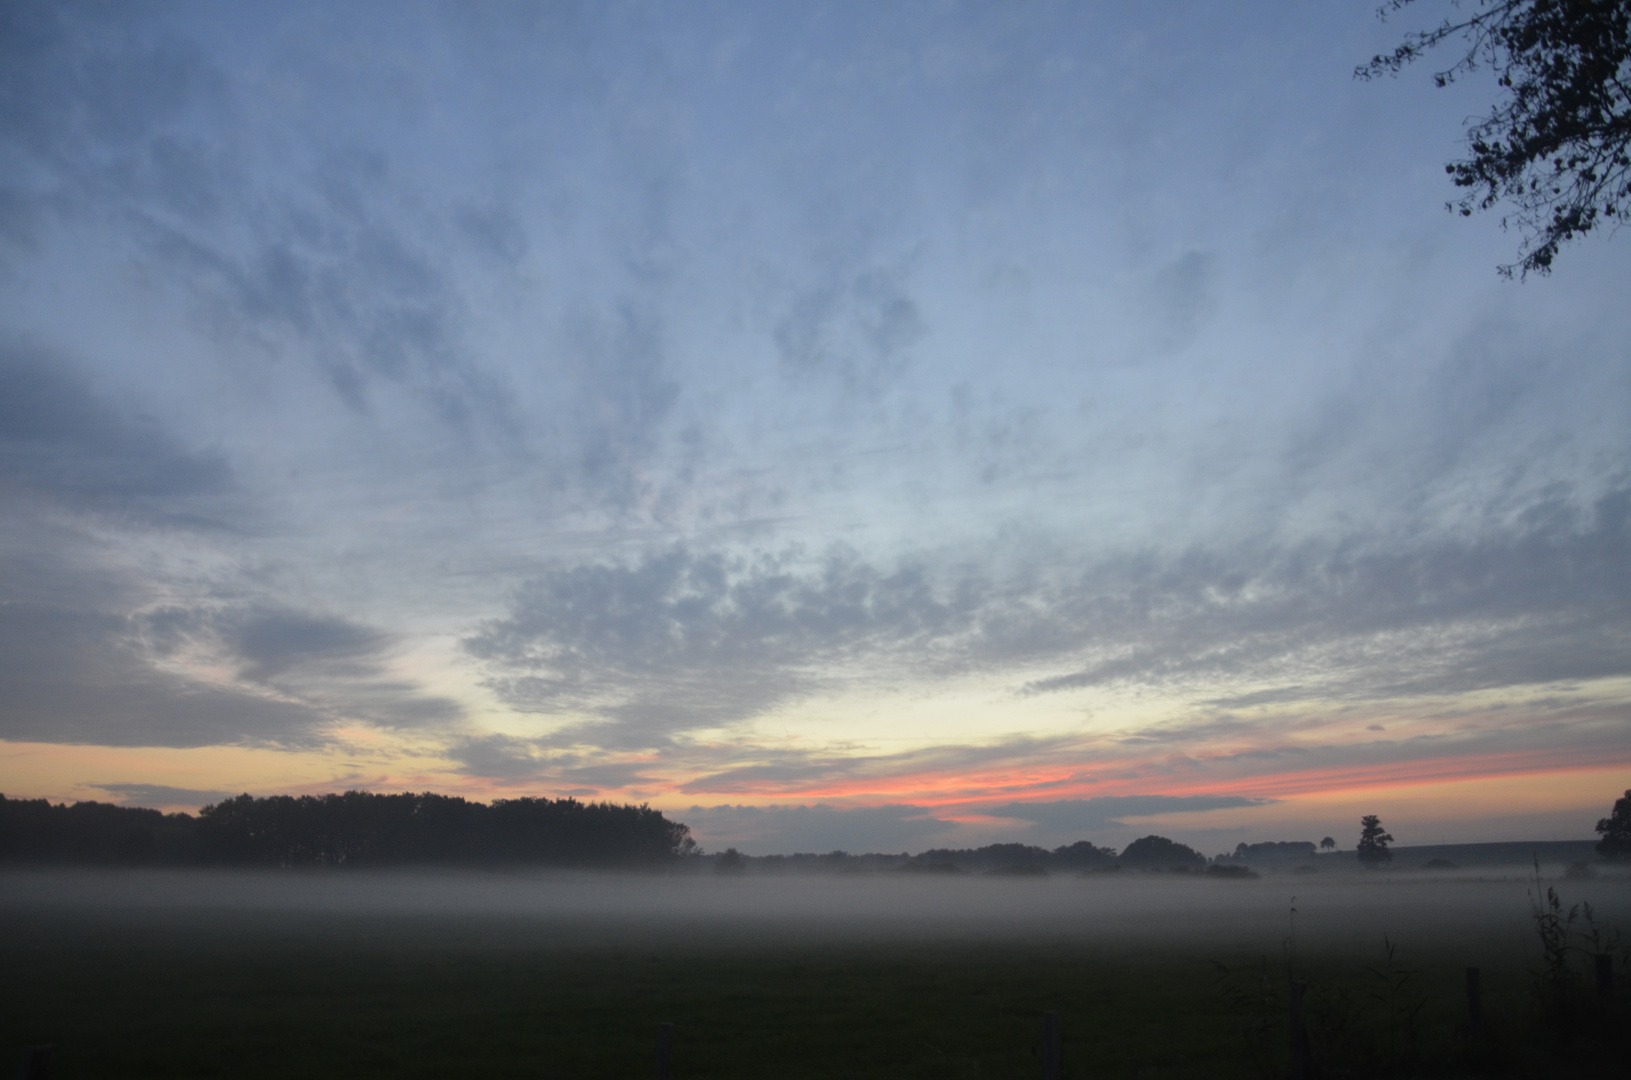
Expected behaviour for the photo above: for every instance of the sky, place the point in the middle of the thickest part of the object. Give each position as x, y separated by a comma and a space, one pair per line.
855, 426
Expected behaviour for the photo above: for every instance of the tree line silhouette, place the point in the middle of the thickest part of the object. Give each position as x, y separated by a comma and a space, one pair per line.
360, 828
357, 828
1148, 853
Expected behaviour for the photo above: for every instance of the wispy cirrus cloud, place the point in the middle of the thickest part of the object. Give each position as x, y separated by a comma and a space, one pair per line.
82, 677
63, 443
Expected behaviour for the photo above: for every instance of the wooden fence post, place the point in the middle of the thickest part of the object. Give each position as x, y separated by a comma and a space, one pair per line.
665, 1047
1475, 1000
1052, 1048
1299, 1032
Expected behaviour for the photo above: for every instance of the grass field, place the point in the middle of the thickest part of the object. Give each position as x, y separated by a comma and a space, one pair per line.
177, 975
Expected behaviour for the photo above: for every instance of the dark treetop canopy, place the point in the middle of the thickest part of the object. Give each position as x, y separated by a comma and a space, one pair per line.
1557, 145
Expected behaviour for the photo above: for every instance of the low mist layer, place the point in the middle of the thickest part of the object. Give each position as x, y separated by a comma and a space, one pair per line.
1119, 909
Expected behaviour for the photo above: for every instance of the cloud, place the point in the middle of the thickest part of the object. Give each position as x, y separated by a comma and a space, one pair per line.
75, 657
856, 328
499, 757
688, 639
1548, 601
133, 794
1311, 750
93, 105
296, 227
83, 677
61, 441
274, 642
1074, 815
1182, 293
495, 229
129, 125
512, 759
728, 769
588, 758
87, 657
90, 677
626, 396
366, 300
301, 655
784, 772
588, 349
683, 640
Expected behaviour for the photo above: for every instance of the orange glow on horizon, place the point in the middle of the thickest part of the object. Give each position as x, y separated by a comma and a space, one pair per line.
930, 789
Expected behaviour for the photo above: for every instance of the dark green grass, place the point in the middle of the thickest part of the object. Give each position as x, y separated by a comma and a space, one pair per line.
247, 994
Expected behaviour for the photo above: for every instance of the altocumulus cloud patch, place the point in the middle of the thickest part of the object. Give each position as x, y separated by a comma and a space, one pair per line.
685, 639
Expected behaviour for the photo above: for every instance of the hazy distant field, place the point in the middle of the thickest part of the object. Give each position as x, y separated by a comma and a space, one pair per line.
465, 974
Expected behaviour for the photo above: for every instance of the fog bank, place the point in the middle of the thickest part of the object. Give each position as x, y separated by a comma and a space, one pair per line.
1118, 909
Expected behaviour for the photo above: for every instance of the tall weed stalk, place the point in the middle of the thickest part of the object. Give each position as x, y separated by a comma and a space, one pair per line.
1250, 997
1556, 993
1567, 1003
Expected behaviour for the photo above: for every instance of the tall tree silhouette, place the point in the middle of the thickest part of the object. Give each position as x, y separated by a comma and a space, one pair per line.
1615, 830
1373, 842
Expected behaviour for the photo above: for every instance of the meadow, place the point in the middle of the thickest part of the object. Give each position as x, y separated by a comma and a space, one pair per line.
447, 974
